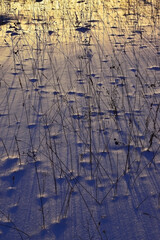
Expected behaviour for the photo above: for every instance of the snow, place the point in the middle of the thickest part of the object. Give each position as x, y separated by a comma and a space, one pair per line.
79, 120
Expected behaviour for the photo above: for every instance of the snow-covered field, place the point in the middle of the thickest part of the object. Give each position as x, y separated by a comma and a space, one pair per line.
80, 120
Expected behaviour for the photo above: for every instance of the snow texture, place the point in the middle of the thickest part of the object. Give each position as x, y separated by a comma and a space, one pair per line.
79, 120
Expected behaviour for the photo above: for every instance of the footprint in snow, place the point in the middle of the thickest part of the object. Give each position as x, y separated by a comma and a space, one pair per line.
91, 182
47, 126
14, 208
77, 116
42, 199
83, 29
59, 228
80, 94
10, 162
13, 177
148, 154
55, 93
102, 154
31, 126
11, 191
55, 136
154, 68
71, 93
33, 80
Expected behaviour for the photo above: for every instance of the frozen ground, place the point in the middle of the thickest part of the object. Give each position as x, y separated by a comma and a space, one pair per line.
80, 120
